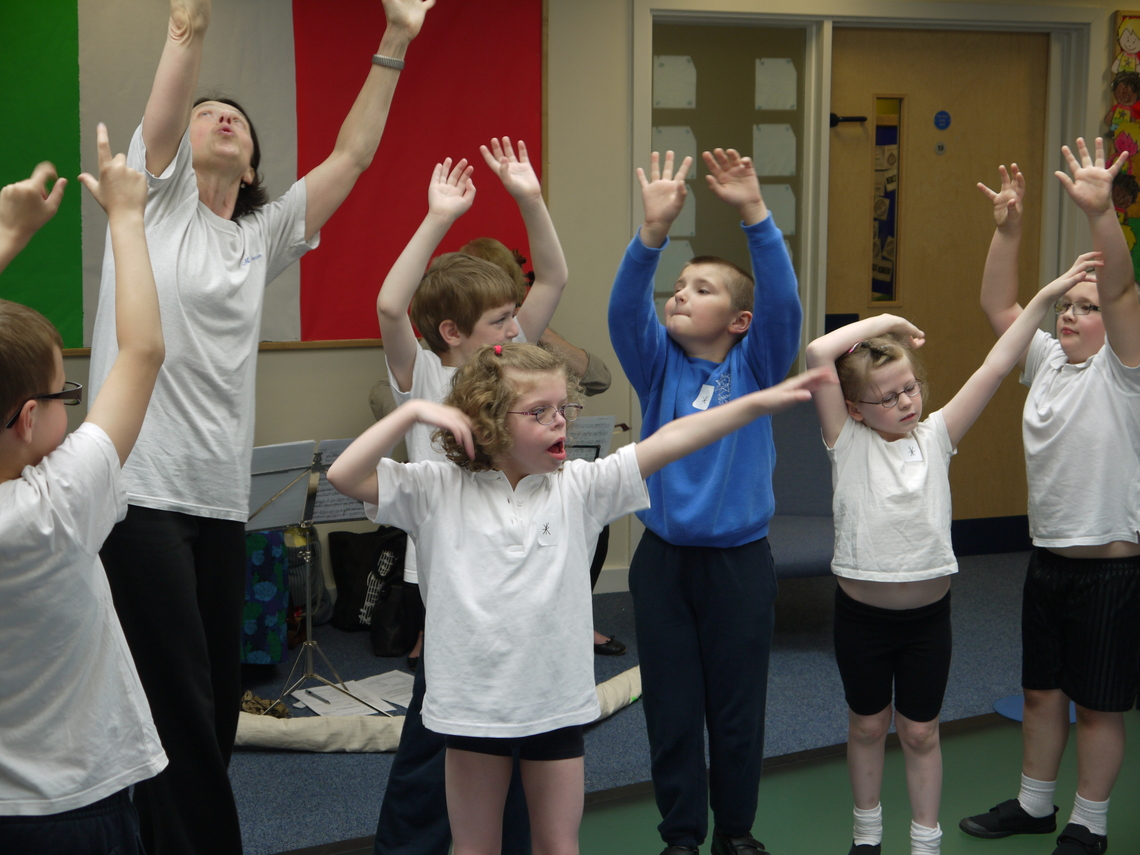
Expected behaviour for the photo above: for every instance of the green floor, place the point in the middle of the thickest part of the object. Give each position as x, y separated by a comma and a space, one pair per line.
805, 807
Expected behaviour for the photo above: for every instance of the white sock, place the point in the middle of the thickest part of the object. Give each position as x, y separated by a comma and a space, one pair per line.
925, 841
1036, 797
869, 826
1092, 815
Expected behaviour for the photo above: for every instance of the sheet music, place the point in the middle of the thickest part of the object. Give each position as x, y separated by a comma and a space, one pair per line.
588, 433
331, 506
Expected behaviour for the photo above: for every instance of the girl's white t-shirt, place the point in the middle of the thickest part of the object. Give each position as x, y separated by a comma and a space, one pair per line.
892, 503
505, 576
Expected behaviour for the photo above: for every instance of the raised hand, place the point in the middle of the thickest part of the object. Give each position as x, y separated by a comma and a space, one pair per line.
732, 179
515, 172
1083, 270
1091, 183
451, 191
662, 195
444, 417
26, 205
407, 15
118, 189
1007, 201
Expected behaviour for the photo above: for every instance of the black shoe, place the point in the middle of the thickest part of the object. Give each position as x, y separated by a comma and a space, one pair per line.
413, 663
744, 845
678, 850
866, 849
1078, 840
1007, 819
610, 647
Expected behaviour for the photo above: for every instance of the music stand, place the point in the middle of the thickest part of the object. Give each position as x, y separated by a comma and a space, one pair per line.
280, 497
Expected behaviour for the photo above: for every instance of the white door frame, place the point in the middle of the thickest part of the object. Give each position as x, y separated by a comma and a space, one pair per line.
1075, 99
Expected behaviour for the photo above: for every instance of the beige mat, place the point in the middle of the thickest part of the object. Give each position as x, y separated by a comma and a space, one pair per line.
370, 733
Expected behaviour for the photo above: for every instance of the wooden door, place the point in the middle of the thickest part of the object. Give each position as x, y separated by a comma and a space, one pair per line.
991, 87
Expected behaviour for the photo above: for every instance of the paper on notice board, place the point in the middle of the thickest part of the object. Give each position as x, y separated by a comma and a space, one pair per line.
774, 149
775, 84
678, 139
781, 201
674, 82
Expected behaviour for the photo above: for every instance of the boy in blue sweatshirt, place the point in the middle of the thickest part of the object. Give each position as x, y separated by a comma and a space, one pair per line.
702, 580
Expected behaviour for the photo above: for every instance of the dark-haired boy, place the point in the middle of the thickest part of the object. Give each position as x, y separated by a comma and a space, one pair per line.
76, 725
702, 579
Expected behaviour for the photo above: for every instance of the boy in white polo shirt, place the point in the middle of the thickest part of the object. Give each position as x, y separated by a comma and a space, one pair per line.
75, 726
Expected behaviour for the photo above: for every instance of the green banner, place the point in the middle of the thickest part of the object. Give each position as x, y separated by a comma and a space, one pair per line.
39, 99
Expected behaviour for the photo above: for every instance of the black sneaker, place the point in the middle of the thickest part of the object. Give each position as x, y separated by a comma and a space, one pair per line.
1007, 819
1078, 840
746, 844
866, 849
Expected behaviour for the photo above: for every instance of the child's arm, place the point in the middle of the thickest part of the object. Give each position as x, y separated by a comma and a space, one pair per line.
354, 471
175, 82
450, 194
662, 197
122, 402
687, 434
733, 180
825, 350
965, 407
550, 273
999, 279
24, 208
1091, 188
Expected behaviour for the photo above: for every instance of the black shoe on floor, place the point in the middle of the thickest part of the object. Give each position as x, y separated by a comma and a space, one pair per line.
1007, 819
866, 849
610, 647
744, 845
679, 850
1078, 840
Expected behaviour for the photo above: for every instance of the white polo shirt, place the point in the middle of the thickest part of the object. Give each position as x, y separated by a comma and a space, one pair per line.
505, 576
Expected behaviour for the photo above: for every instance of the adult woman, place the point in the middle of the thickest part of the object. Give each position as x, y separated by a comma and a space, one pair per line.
176, 563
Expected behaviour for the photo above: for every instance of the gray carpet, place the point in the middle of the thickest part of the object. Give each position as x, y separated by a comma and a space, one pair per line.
290, 800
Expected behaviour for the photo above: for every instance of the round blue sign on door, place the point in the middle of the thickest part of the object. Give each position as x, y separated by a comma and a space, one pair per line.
942, 120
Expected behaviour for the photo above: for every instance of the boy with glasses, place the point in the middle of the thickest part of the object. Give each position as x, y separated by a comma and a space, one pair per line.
1081, 429
77, 730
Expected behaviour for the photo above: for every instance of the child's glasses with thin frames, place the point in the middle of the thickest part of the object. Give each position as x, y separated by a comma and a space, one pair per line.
1081, 307
545, 415
71, 396
889, 400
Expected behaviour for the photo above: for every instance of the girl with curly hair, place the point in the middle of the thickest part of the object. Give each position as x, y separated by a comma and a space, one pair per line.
507, 528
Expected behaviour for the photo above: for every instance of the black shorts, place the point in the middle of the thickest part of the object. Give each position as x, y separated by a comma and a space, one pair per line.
565, 743
1080, 628
907, 650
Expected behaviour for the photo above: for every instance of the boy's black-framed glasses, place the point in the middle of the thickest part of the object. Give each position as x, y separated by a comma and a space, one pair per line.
545, 415
888, 401
1081, 307
72, 395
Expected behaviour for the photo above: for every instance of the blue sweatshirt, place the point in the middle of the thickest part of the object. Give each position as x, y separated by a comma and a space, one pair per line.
720, 495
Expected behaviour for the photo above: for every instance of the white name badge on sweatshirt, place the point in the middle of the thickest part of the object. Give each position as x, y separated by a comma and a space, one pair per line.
910, 451
703, 399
